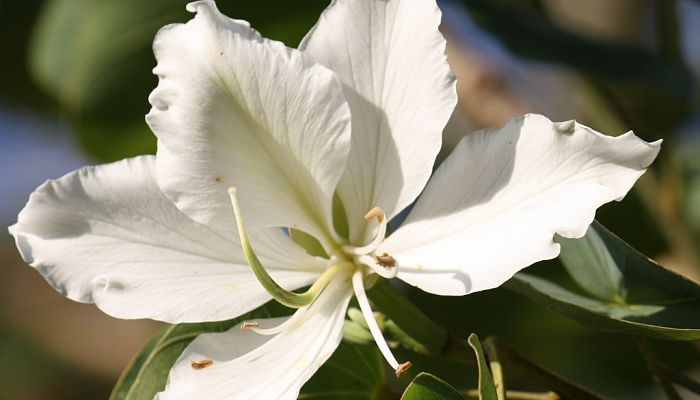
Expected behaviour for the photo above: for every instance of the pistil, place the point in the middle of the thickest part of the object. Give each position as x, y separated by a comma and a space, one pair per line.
282, 295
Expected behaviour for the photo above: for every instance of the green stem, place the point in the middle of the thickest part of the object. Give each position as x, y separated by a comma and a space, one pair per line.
519, 395
656, 368
517, 364
681, 379
491, 351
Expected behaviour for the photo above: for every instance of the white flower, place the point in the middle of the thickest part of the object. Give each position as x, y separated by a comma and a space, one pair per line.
357, 112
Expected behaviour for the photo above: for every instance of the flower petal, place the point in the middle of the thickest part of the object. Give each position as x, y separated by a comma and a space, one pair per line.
234, 109
251, 366
494, 205
107, 234
390, 57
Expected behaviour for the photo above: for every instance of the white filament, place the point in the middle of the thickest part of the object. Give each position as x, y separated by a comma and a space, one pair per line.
359, 288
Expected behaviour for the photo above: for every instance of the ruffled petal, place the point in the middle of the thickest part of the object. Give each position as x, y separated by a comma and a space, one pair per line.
107, 235
494, 205
390, 57
234, 109
251, 366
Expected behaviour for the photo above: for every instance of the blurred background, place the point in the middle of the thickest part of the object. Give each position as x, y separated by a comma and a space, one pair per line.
74, 81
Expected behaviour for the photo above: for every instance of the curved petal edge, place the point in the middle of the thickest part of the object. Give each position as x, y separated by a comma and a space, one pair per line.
495, 204
235, 109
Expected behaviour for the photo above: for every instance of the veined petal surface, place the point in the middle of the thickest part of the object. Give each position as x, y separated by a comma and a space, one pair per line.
234, 109
494, 205
107, 234
249, 366
390, 57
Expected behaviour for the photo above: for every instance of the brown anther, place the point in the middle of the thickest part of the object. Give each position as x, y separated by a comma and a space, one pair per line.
248, 325
401, 370
376, 213
385, 260
201, 364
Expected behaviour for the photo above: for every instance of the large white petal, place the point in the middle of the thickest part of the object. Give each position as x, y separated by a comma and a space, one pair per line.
251, 366
494, 205
390, 57
107, 235
234, 109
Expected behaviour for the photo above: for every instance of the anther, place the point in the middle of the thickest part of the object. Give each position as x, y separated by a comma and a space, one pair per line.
389, 269
385, 260
246, 326
402, 369
201, 364
378, 215
375, 213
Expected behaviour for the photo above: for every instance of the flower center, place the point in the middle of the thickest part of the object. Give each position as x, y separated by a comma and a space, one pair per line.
362, 261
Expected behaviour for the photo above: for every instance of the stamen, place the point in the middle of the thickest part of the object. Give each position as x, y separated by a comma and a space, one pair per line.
362, 300
377, 214
246, 326
385, 260
282, 295
402, 369
256, 352
201, 364
281, 327
387, 271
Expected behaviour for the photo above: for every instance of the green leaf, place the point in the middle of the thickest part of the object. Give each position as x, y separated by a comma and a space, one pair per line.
487, 388
147, 373
623, 290
354, 372
594, 266
415, 324
429, 387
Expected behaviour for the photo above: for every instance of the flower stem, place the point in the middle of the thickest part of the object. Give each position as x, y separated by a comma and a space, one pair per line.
656, 368
519, 395
520, 366
681, 379
491, 351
